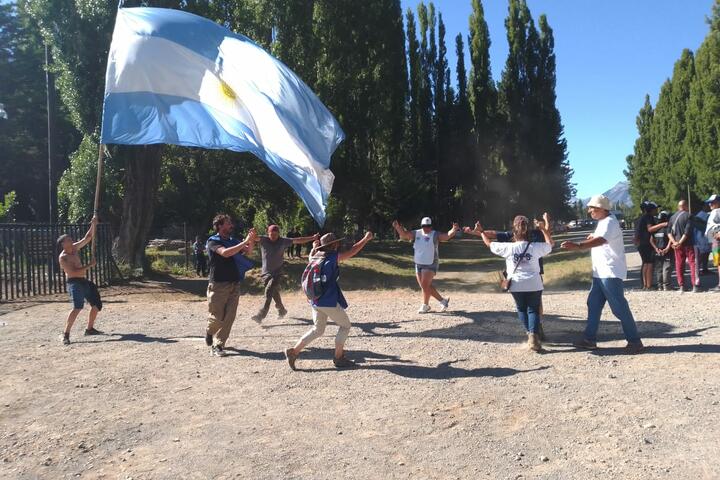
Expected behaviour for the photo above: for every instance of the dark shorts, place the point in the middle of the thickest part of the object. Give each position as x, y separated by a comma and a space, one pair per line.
433, 268
647, 254
81, 290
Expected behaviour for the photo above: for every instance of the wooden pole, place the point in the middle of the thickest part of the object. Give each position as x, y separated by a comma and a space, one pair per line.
98, 183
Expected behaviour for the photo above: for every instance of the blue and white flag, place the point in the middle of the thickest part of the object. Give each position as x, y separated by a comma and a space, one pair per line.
177, 78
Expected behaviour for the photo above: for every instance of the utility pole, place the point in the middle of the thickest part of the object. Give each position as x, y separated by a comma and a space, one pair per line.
49, 89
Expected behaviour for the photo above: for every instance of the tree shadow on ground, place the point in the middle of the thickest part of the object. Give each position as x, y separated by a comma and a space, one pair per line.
367, 360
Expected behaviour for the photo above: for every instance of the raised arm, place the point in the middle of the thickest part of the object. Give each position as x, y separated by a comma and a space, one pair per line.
355, 248
485, 238
301, 240
243, 247
591, 242
444, 237
545, 229
402, 233
88, 236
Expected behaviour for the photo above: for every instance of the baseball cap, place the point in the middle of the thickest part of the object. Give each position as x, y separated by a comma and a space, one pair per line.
426, 222
713, 198
599, 201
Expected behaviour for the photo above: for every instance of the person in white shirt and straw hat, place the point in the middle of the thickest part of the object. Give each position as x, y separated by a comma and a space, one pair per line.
425, 243
609, 269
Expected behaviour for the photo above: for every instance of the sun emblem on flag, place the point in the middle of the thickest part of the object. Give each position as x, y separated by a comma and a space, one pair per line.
227, 90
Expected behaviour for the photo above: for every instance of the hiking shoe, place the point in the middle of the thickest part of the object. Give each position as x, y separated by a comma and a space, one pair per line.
218, 351
65, 339
424, 309
540, 332
586, 344
92, 331
634, 348
534, 342
445, 302
208, 339
282, 312
291, 356
343, 362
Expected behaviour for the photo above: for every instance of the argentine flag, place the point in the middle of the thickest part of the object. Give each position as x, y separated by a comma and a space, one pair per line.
177, 78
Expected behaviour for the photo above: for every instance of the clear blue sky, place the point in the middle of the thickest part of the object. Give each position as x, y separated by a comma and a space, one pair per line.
609, 55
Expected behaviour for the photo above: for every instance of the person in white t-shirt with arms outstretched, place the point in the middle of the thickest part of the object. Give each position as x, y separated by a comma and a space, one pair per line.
609, 269
522, 264
425, 243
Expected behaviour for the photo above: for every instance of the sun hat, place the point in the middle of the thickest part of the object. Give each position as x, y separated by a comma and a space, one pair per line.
599, 201
329, 239
426, 222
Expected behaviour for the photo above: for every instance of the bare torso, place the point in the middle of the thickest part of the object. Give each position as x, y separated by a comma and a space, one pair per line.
71, 264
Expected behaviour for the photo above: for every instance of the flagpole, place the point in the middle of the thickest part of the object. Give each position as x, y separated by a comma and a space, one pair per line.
98, 182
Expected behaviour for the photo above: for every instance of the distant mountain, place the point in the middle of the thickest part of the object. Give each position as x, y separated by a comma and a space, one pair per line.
620, 193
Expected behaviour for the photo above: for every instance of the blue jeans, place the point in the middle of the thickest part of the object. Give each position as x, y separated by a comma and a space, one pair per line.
528, 309
609, 290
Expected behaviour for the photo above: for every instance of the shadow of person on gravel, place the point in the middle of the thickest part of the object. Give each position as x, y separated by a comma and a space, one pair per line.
136, 337
659, 349
446, 370
369, 328
360, 356
504, 327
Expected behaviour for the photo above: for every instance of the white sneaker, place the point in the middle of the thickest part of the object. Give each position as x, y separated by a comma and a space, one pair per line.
445, 302
424, 309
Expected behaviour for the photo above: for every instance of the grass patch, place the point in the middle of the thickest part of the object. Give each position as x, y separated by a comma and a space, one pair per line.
464, 265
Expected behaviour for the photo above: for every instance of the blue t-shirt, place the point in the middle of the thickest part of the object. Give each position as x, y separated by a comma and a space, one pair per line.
333, 295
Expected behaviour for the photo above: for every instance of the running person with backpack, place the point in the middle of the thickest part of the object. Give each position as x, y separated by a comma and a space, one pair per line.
320, 284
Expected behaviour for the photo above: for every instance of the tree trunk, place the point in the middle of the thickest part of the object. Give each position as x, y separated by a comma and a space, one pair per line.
142, 178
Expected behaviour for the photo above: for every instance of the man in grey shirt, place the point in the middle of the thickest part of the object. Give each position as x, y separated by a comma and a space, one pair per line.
272, 248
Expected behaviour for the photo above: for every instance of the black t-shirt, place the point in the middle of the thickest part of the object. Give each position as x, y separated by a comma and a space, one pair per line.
641, 232
222, 269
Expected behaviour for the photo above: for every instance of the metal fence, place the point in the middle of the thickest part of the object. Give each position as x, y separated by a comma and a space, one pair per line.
29, 258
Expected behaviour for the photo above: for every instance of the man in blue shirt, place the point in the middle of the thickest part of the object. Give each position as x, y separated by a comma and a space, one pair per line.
223, 290
331, 304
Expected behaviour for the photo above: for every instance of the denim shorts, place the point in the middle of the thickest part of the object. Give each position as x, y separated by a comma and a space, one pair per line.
432, 267
81, 290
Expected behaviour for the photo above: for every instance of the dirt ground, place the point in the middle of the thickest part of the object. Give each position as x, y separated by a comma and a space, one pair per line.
443, 395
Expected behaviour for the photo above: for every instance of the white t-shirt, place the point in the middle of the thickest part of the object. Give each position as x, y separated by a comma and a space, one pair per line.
527, 275
713, 221
426, 247
608, 259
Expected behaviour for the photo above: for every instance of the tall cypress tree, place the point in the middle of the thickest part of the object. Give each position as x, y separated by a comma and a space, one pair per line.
643, 181
482, 96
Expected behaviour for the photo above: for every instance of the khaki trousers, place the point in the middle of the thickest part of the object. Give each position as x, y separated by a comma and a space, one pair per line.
320, 317
222, 307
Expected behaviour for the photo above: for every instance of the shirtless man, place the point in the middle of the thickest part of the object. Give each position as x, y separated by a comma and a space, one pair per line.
78, 286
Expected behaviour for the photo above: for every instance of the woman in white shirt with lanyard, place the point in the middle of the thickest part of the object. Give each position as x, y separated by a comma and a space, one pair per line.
523, 270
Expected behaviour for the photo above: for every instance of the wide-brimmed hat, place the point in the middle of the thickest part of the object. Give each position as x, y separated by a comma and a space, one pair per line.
329, 239
599, 201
